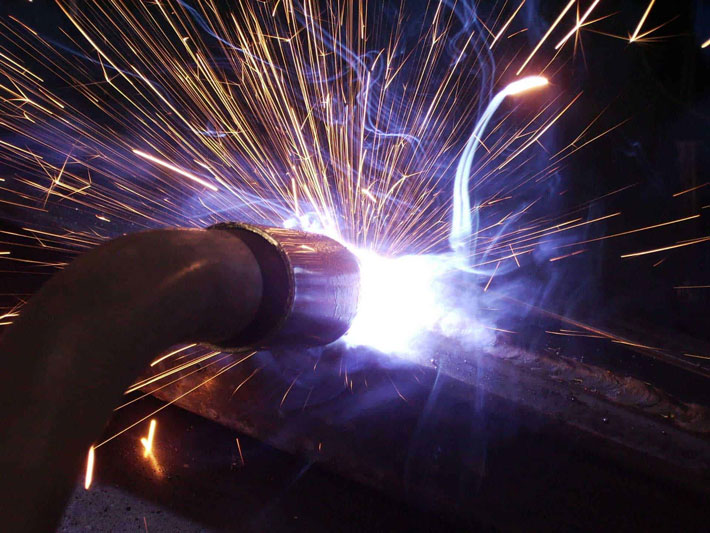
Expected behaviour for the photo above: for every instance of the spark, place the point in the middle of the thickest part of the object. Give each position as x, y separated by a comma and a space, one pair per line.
175, 352
402, 397
676, 195
175, 169
643, 19
283, 399
575, 334
632, 231
553, 259
634, 344
505, 26
167, 384
547, 34
89, 476
492, 276
514, 255
501, 330
221, 371
171, 371
239, 448
659, 262
695, 356
147, 442
246, 380
183, 375
577, 26
705, 44
665, 248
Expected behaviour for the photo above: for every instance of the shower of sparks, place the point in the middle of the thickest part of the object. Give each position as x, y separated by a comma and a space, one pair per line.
226, 368
262, 112
174, 370
160, 377
147, 442
326, 116
89, 476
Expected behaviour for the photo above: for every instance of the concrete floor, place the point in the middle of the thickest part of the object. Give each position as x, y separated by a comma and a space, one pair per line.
109, 508
195, 480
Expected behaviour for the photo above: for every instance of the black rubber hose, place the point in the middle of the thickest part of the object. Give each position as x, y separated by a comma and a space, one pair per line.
85, 336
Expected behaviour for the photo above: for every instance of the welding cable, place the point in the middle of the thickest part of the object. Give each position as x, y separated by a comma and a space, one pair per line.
84, 338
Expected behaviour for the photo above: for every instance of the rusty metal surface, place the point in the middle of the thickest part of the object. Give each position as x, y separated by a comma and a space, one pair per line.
416, 428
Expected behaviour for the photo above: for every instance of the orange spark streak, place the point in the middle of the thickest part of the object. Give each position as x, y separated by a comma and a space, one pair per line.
239, 447
170, 372
254, 373
289, 389
492, 276
575, 334
178, 170
178, 398
163, 358
544, 37
505, 26
161, 387
697, 356
634, 344
643, 19
676, 195
672, 247
514, 256
629, 232
553, 259
148, 442
577, 26
88, 478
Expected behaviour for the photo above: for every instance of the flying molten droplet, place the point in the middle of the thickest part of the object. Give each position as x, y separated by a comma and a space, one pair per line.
525, 84
89, 469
